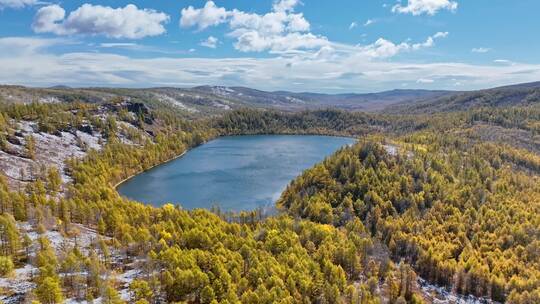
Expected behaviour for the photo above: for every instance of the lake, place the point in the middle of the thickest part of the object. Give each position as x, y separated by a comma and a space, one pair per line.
235, 172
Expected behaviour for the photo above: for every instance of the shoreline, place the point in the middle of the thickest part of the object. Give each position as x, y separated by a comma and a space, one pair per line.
115, 187
293, 134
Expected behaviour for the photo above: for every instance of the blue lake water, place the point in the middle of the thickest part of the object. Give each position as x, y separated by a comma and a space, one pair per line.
235, 173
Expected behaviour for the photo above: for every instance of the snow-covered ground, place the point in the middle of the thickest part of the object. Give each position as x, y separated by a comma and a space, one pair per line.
17, 284
175, 102
91, 141
15, 287
84, 237
54, 150
50, 99
221, 105
222, 91
20, 282
440, 295
295, 100
391, 149
50, 150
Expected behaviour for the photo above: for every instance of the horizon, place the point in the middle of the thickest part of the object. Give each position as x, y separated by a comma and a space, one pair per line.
60, 86
272, 45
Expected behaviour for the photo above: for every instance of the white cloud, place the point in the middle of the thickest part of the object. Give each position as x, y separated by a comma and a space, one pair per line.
441, 35
210, 42
285, 5
369, 22
127, 22
22, 46
383, 48
119, 45
480, 50
297, 23
425, 80
252, 41
45, 20
504, 61
353, 25
17, 3
429, 7
209, 15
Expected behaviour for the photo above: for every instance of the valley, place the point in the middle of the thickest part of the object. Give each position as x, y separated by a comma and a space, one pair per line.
406, 213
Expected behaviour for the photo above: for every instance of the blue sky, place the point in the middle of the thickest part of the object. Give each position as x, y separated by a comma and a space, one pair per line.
310, 45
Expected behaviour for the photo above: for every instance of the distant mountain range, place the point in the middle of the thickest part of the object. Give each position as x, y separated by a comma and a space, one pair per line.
307, 100
216, 99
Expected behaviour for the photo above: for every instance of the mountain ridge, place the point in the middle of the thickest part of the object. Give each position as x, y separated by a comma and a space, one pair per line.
208, 99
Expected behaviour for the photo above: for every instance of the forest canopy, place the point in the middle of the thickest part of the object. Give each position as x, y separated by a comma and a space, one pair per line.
419, 195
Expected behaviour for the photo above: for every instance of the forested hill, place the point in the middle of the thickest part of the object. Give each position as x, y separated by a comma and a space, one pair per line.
457, 211
516, 95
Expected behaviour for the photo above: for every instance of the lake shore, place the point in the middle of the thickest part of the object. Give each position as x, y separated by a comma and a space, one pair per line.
135, 174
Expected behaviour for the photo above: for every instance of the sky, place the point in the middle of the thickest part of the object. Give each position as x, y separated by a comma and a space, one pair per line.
297, 45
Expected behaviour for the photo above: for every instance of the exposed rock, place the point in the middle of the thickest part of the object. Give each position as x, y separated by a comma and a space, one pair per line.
138, 107
14, 140
86, 129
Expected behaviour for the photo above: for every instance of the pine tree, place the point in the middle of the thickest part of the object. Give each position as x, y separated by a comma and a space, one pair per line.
48, 291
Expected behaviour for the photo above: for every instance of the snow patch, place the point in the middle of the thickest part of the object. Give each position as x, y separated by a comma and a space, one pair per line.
295, 100
441, 295
91, 141
222, 91
220, 105
18, 284
175, 102
49, 99
391, 149
84, 239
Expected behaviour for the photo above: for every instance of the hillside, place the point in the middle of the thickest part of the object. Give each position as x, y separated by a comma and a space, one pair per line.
458, 218
514, 95
204, 100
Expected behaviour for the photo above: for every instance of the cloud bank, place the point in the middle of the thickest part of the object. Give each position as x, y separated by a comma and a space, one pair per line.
35, 64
